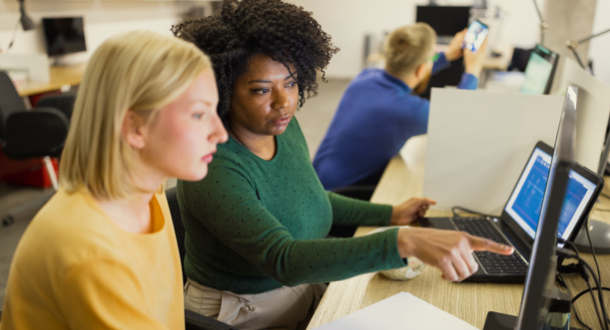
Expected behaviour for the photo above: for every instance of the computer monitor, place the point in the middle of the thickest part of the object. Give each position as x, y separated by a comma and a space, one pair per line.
64, 35
445, 20
539, 71
543, 262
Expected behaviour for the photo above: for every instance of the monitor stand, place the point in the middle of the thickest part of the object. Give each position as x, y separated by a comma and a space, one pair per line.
500, 321
555, 301
59, 60
600, 238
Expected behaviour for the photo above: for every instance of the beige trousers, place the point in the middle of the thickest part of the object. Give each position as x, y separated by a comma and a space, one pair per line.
283, 308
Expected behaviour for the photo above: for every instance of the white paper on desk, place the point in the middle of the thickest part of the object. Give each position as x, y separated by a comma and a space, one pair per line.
400, 311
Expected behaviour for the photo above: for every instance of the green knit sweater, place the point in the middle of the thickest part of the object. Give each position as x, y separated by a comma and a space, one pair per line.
254, 225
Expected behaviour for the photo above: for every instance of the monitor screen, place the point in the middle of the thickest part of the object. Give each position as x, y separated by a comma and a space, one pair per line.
64, 35
539, 71
445, 20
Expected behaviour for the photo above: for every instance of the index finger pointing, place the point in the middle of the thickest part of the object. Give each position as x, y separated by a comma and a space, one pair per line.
484, 244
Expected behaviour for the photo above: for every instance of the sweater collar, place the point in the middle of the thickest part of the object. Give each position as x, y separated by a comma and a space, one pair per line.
401, 84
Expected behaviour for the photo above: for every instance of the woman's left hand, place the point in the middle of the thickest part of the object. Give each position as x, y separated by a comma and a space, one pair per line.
410, 211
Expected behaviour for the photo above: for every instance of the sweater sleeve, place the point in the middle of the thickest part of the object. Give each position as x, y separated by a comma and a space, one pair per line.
105, 295
349, 211
228, 207
440, 64
468, 81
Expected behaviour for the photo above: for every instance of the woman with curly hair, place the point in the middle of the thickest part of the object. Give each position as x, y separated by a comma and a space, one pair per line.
255, 227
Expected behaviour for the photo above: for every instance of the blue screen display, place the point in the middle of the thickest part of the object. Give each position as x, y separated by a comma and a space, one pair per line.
526, 202
529, 201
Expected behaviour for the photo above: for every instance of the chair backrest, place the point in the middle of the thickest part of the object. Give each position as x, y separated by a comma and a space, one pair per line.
9, 101
174, 209
63, 103
193, 320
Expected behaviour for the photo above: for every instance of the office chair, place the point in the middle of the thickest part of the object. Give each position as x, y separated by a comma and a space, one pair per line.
194, 321
63, 103
24, 134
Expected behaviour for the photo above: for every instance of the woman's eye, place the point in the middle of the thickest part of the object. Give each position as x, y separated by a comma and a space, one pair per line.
198, 115
292, 84
261, 90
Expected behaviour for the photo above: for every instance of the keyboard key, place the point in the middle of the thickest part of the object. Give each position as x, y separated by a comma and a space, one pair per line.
491, 262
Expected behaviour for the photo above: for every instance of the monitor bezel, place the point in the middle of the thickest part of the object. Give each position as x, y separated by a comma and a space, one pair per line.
541, 272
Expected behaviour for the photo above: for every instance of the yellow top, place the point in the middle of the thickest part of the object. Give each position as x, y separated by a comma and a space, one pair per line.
74, 268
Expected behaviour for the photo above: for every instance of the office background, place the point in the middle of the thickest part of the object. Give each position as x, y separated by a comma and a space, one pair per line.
345, 22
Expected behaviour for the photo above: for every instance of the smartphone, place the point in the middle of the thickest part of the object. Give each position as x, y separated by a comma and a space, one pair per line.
477, 31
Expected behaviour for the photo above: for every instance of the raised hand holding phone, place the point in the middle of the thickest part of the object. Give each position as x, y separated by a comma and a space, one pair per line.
475, 35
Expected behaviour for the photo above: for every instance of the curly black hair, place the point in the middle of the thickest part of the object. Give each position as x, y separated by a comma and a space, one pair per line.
286, 33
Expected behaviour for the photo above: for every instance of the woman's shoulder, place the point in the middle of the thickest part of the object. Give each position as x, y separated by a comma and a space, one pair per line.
67, 232
71, 227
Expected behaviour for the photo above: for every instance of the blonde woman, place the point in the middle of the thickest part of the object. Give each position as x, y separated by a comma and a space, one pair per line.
102, 253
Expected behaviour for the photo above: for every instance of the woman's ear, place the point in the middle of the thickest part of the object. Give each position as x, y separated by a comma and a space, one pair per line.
133, 130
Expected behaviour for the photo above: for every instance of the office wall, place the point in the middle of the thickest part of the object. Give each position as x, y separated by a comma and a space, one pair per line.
348, 21
102, 19
599, 48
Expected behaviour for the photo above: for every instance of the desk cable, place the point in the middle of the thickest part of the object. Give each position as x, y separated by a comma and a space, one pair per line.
582, 267
456, 208
586, 272
13, 37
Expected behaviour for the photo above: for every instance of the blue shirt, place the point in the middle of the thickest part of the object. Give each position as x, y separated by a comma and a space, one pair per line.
376, 116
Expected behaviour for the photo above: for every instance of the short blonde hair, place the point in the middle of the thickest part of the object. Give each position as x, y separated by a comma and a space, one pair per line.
408, 47
140, 71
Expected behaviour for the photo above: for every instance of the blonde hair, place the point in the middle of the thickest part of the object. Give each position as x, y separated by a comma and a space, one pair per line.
408, 47
140, 71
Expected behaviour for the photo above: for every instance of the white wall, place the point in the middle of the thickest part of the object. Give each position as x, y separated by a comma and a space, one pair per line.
347, 21
599, 49
102, 19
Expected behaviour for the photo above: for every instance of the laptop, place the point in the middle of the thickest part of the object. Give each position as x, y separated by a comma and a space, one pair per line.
518, 223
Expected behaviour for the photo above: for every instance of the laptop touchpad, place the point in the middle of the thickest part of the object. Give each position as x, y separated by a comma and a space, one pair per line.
438, 223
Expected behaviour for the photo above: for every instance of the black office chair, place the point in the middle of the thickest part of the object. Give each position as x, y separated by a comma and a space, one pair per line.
194, 321
39, 133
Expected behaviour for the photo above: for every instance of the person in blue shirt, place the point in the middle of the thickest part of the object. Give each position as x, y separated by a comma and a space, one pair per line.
380, 110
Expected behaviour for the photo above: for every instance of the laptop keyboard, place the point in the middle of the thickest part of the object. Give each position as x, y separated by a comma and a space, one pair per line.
492, 262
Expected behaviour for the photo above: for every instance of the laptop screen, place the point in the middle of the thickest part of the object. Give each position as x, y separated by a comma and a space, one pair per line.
526, 200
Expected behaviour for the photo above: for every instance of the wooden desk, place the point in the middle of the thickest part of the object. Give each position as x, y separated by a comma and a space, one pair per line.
59, 76
468, 301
